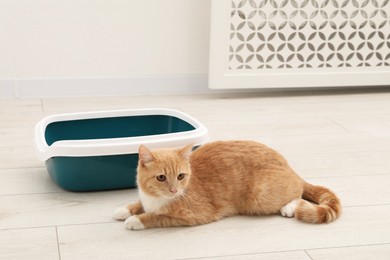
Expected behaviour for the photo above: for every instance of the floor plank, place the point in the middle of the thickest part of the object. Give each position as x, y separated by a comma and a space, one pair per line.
292, 255
377, 252
26, 181
19, 157
32, 243
61, 208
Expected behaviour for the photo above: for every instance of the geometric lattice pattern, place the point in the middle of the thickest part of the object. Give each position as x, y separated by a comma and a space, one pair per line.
278, 34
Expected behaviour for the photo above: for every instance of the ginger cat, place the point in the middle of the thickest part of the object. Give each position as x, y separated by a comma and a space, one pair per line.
178, 187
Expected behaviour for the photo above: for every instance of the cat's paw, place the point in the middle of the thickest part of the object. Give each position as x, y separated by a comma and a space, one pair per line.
121, 213
289, 209
133, 223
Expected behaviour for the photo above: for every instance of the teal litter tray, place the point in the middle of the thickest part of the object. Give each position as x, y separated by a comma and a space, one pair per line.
99, 150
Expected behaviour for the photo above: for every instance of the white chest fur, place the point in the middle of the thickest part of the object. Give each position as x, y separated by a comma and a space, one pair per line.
152, 204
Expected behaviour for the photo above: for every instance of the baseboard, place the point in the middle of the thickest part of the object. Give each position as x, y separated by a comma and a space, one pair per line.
133, 86
7, 88
105, 86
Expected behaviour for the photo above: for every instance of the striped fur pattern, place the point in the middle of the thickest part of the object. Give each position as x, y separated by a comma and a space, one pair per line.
178, 187
319, 205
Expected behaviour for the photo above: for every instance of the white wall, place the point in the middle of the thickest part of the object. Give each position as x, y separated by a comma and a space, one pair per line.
103, 38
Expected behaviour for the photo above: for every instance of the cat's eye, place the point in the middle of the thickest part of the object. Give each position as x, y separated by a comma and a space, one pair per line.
181, 176
161, 178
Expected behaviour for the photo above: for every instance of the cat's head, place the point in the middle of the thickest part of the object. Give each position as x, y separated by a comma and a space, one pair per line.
163, 173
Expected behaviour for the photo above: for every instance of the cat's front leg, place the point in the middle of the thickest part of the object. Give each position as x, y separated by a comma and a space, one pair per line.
152, 220
134, 223
136, 208
123, 213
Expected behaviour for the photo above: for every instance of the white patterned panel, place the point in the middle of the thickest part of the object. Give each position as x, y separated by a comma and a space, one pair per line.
299, 43
292, 34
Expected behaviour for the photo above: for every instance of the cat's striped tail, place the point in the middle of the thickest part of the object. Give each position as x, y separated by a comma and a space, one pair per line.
327, 207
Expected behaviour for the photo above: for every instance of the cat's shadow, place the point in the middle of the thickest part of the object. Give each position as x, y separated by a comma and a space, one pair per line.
230, 225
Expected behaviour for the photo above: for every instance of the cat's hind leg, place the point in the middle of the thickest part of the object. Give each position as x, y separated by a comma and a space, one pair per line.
288, 210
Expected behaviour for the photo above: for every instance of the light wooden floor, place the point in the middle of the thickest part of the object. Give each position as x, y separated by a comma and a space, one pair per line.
337, 139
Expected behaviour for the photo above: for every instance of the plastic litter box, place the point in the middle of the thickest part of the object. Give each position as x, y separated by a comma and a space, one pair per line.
99, 150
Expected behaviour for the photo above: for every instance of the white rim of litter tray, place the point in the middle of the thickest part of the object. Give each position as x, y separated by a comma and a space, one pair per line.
115, 146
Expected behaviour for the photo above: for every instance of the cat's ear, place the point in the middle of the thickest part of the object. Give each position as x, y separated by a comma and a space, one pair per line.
185, 152
145, 155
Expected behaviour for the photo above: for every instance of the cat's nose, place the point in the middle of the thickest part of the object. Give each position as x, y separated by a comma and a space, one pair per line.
173, 190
